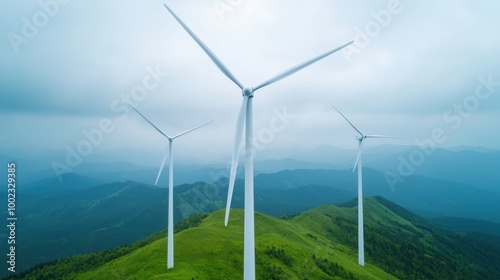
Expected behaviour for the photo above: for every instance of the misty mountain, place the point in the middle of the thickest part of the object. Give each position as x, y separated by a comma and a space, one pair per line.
76, 221
84, 219
425, 196
68, 182
472, 166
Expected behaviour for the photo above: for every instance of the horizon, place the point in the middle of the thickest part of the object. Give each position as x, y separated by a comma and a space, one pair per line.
385, 158
91, 91
57, 97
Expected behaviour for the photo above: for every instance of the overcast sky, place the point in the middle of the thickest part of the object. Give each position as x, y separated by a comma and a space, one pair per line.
415, 67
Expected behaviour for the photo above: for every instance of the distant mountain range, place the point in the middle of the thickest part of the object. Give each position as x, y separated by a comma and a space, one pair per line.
91, 209
81, 215
317, 244
69, 221
477, 168
425, 196
474, 166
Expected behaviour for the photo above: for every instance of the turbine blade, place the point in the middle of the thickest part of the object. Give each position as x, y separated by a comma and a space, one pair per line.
299, 67
189, 130
348, 121
382, 136
165, 154
149, 121
360, 151
206, 49
240, 125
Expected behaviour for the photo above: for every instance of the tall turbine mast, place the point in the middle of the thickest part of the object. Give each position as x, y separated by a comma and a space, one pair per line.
169, 154
359, 160
244, 126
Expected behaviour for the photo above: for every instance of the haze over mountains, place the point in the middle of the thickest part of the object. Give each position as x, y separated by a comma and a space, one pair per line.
93, 208
473, 166
85, 162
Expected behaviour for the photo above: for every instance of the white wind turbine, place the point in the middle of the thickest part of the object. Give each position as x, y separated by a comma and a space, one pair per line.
361, 141
244, 122
168, 153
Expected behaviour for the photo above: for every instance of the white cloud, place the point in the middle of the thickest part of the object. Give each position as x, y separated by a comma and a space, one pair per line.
427, 59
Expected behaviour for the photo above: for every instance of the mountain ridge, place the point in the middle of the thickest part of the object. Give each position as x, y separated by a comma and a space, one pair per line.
95, 216
317, 244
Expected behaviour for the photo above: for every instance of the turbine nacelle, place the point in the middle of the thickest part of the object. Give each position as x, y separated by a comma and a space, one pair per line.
168, 153
361, 139
244, 127
247, 91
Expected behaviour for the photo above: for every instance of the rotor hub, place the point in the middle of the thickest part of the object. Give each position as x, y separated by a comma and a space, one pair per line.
248, 91
360, 137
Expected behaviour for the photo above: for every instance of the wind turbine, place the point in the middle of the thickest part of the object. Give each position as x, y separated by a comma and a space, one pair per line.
361, 141
168, 153
244, 123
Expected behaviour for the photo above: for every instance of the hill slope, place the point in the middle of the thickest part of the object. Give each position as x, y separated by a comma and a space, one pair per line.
84, 221
72, 221
317, 244
447, 199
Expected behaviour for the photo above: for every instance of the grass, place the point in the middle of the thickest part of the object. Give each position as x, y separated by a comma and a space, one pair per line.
212, 251
318, 244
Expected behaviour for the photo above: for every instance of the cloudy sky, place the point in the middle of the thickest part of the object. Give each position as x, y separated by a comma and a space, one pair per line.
416, 67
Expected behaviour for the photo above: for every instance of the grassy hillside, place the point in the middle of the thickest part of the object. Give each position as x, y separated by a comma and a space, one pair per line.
69, 218
317, 244
73, 222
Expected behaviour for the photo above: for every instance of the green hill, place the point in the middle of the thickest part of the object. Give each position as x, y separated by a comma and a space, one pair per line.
73, 222
317, 244
61, 220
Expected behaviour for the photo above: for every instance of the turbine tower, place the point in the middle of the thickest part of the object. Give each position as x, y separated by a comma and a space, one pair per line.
244, 124
361, 141
169, 153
